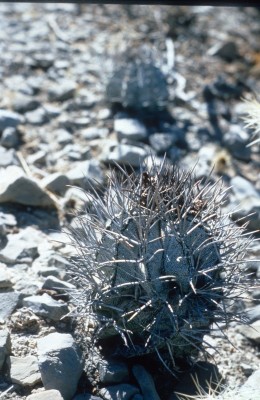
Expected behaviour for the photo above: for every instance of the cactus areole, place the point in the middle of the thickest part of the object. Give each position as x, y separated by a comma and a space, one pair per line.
157, 261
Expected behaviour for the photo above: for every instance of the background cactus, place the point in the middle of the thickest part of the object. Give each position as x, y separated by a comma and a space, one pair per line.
157, 262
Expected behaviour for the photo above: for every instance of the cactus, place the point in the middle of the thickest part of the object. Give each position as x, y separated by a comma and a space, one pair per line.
252, 118
157, 262
137, 82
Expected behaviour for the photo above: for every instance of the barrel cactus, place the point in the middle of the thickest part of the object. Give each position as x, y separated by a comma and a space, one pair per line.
137, 81
157, 262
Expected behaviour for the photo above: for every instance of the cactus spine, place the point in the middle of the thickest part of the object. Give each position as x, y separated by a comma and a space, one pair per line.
157, 261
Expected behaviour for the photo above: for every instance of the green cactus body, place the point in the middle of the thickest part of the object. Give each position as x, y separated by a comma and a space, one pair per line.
157, 261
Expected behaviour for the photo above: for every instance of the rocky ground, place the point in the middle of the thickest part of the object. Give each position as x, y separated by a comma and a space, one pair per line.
58, 127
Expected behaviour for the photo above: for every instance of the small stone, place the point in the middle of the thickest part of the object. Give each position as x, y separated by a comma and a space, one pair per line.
20, 246
5, 346
56, 183
10, 138
36, 117
8, 303
118, 392
130, 129
252, 331
104, 113
63, 136
37, 158
60, 363
7, 219
94, 133
85, 174
5, 278
123, 154
45, 306
146, 383
253, 314
228, 51
236, 141
113, 372
54, 283
62, 91
7, 157
250, 389
24, 370
15, 187
46, 395
242, 188
22, 103
9, 119
161, 142
50, 263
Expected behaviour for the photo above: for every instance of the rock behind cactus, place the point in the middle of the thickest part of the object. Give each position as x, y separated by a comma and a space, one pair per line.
157, 261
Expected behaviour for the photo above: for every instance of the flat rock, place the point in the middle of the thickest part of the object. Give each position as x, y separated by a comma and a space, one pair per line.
5, 346
113, 372
20, 247
23, 103
130, 129
53, 283
7, 157
10, 138
5, 277
56, 182
24, 370
252, 332
8, 303
60, 363
253, 313
123, 154
45, 306
46, 395
15, 187
85, 174
250, 389
9, 118
62, 91
118, 392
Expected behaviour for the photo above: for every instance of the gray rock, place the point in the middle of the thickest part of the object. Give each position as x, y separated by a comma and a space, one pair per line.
36, 117
113, 372
86, 174
129, 128
45, 306
94, 133
5, 346
242, 188
24, 370
63, 136
122, 153
249, 212
46, 395
228, 51
7, 219
146, 383
8, 303
50, 263
253, 314
252, 332
37, 158
42, 60
104, 113
7, 157
54, 283
20, 247
9, 119
118, 392
63, 90
60, 363
10, 138
22, 103
235, 141
161, 142
250, 389
56, 183
86, 396
5, 277
15, 187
